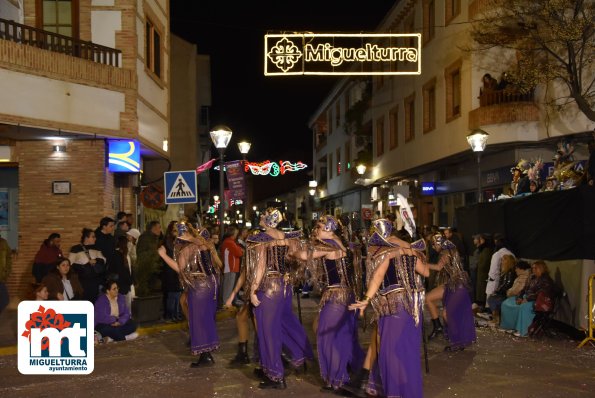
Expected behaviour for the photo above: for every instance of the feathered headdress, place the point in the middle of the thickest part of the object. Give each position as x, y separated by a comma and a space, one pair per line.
564, 151
535, 171
523, 166
406, 215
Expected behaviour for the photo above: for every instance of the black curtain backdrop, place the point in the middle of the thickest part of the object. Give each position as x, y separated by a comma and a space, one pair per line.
549, 225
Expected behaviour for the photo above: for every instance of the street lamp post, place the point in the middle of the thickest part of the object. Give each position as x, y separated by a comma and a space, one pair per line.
221, 135
478, 140
244, 148
361, 170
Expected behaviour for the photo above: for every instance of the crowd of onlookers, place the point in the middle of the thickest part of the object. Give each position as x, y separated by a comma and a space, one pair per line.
506, 291
99, 269
115, 262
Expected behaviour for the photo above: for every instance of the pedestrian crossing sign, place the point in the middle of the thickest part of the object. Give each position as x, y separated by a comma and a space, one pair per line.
180, 187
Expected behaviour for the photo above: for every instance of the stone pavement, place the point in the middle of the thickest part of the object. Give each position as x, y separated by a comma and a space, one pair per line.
157, 365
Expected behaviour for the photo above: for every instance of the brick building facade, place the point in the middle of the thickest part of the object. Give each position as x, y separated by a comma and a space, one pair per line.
106, 76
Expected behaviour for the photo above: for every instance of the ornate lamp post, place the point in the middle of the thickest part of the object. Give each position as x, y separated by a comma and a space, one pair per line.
221, 135
244, 148
478, 140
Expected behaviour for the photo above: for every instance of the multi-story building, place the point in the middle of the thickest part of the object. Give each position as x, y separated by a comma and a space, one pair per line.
411, 130
190, 121
74, 74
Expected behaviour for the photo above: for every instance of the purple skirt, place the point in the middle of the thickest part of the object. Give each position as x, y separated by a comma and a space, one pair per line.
338, 346
278, 328
202, 307
397, 372
459, 317
294, 341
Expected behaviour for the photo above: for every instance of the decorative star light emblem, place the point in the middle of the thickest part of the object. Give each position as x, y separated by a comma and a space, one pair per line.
284, 54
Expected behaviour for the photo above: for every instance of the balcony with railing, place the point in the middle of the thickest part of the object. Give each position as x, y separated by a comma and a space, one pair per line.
28, 35
29, 50
504, 106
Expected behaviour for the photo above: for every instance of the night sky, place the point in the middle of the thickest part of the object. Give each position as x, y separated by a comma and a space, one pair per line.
271, 112
266, 110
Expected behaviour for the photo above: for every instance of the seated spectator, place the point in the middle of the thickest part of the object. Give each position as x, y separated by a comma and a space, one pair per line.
507, 276
48, 254
112, 316
534, 186
517, 311
40, 292
551, 184
522, 270
63, 282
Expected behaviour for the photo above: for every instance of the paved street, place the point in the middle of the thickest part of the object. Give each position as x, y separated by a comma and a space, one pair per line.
157, 365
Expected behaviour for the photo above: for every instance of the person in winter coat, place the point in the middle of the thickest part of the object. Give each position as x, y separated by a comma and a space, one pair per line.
484, 256
120, 269
63, 283
47, 256
89, 263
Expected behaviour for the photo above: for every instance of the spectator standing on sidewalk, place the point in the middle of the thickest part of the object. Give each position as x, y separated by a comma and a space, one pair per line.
148, 263
122, 225
105, 241
473, 259
501, 249
170, 283
485, 252
132, 237
5, 268
231, 254
89, 263
121, 271
48, 254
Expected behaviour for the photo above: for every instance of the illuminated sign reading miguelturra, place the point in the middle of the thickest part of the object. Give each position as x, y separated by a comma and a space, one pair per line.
342, 54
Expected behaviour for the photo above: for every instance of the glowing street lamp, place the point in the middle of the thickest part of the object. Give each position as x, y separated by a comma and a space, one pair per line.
361, 169
478, 139
221, 135
244, 148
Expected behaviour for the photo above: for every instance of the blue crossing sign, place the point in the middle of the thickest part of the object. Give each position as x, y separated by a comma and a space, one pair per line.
180, 187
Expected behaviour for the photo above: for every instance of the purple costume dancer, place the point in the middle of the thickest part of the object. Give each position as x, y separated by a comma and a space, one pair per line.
460, 330
268, 278
397, 295
193, 260
336, 335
